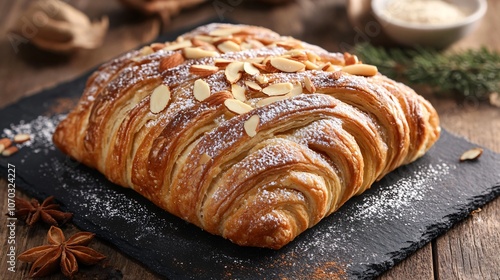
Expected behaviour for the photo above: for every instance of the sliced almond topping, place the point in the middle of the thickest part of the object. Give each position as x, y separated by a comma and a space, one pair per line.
221, 62
361, 69
326, 66
22, 137
286, 65
262, 79
237, 106
159, 99
233, 71
10, 151
157, 46
296, 53
146, 50
310, 66
251, 125
204, 38
278, 89
221, 40
203, 70
471, 154
297, 89
201, 90
253, 85
168, 62
4, 144
309, 85
223, 32
350, 59
228, 46
269, 100
238, 92
194, 53
250, 69
336, 75
202, 44
245, 46
178, 45
287, 45
254, 43
205, 158
312, 57
332, 68
254, 60
259, 66
270, 68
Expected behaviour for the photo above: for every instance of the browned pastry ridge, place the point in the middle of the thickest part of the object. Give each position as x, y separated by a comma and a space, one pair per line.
245, 133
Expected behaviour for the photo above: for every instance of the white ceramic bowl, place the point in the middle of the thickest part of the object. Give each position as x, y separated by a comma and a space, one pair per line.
438, 36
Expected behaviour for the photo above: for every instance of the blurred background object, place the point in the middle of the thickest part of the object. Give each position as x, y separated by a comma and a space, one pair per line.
164, 8
56, 26
428, 23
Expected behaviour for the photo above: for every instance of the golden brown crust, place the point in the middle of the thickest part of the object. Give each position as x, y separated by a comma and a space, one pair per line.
273, 147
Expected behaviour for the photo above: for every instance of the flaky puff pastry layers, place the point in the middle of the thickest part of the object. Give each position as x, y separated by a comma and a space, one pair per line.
245, 133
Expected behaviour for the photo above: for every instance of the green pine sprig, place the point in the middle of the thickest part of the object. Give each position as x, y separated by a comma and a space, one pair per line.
470, 73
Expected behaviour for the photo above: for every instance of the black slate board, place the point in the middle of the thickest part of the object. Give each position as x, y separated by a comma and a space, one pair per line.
367, 236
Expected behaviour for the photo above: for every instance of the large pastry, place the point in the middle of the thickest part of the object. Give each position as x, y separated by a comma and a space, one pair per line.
245, 133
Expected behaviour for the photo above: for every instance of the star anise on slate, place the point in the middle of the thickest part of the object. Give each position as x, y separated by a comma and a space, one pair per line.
62, 253
48, 211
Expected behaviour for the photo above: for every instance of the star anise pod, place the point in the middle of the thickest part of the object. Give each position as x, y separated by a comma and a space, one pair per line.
48, 211
62, 253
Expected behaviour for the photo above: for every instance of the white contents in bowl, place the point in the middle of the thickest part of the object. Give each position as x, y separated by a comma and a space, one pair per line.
429, 12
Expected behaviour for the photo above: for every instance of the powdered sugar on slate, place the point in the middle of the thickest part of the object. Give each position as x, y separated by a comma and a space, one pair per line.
394, 200
102, 202
40, 130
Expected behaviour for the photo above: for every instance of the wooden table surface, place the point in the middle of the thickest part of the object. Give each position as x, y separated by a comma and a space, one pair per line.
470, 250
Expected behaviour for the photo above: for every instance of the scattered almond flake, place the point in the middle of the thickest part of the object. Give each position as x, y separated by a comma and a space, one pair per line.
10, 151
4, 144
471, 154
21, 138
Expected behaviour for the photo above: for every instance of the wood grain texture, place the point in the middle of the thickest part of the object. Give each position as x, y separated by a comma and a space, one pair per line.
468, 251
